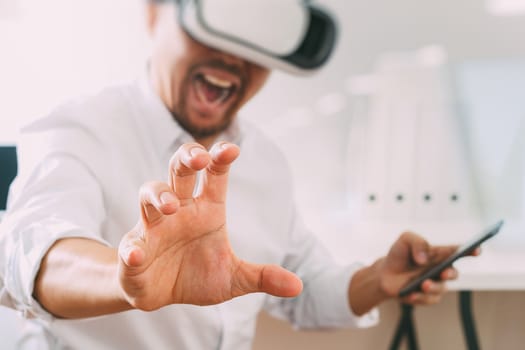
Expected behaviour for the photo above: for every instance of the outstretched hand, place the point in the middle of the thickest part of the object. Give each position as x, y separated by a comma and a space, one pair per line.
179, 250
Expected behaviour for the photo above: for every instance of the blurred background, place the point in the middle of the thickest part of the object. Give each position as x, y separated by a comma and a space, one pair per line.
417, 123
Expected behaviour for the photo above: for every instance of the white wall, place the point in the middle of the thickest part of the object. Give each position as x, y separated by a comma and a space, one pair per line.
58, 49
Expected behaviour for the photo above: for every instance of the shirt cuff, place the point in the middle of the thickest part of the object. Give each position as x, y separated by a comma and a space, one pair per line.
336, 308
26, 253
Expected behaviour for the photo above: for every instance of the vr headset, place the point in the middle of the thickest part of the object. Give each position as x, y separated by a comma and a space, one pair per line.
291, 35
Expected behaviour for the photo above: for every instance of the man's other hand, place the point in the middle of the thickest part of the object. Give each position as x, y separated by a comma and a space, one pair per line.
408, 258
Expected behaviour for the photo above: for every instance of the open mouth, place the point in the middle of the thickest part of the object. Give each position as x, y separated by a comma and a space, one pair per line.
214, 90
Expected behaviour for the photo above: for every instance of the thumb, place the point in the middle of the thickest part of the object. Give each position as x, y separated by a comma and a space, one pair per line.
419, 248
270, 279
132, 249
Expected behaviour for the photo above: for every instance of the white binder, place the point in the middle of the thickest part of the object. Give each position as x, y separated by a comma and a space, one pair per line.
408, 161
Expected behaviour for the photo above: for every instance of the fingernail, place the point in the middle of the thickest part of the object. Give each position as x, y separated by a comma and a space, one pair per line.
225, 145
196, 151
422, 257
167, 197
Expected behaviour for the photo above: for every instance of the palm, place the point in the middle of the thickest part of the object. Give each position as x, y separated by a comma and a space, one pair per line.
186, 256
186, 251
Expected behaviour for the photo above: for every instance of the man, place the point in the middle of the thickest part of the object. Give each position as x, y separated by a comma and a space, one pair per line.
183, 269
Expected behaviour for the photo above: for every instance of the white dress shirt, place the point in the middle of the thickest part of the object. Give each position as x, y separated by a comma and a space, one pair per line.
80, 169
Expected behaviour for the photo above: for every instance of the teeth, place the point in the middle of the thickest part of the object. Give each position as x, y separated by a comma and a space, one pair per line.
225, 84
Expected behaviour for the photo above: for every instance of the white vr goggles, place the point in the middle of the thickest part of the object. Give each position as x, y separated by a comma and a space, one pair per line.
291, 35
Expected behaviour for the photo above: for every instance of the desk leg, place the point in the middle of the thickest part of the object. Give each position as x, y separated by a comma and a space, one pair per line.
411, 331
405, 328
469, 327
400, 333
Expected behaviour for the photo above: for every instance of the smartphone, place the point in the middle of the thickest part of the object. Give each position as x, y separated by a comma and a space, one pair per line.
464, 250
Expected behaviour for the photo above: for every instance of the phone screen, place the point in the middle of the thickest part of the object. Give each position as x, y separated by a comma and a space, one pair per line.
465, 249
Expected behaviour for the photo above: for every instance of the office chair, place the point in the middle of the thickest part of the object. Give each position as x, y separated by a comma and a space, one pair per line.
8, 170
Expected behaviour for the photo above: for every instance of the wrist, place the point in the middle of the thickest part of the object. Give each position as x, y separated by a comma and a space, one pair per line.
78, 278
367, 288
109, 294
119, 295
384, 289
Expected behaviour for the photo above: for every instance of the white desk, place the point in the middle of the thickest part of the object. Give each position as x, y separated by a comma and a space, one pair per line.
493, 270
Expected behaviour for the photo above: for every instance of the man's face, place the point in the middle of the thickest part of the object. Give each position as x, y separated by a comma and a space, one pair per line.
202, 87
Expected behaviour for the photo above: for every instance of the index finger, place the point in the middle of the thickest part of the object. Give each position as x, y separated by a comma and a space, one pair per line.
216, 176
183, 168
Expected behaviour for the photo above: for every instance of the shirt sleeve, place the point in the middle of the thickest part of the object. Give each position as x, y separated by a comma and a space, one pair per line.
56, 198
324, 300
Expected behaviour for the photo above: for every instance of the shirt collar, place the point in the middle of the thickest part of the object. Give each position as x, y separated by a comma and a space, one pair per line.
167, 134
155, 116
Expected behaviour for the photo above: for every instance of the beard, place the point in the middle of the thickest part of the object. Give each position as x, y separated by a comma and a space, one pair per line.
200, 132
